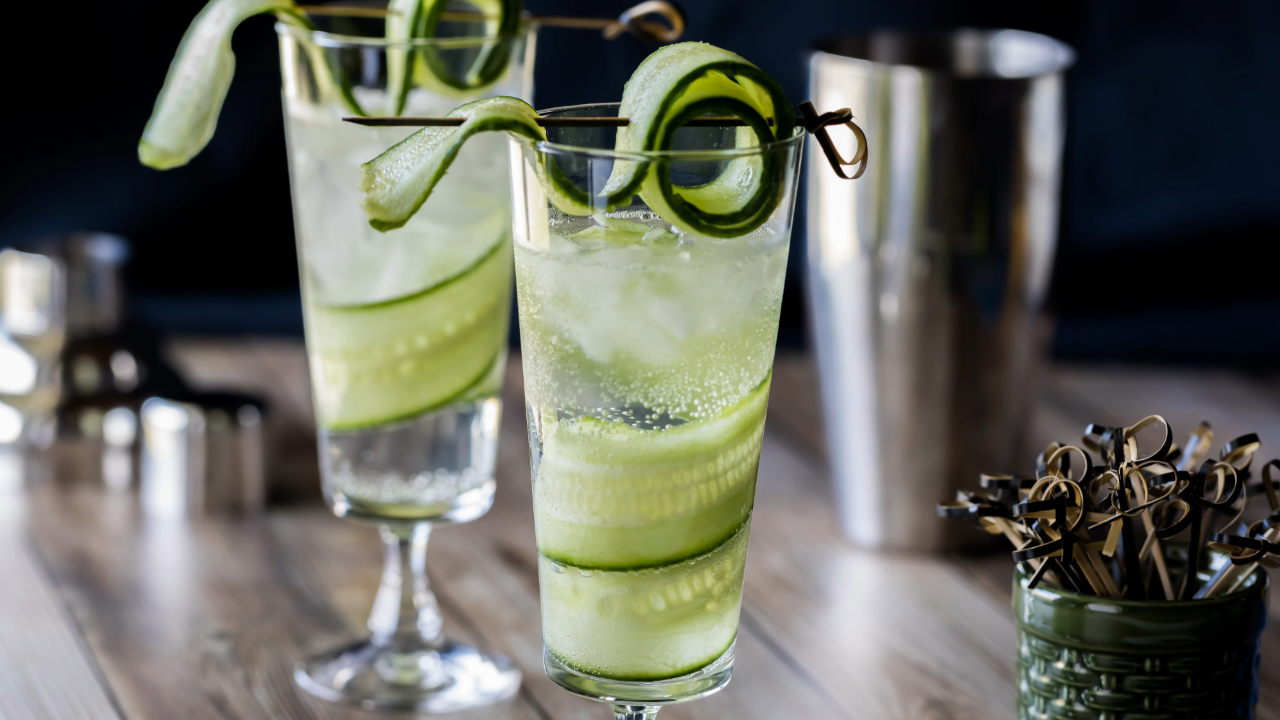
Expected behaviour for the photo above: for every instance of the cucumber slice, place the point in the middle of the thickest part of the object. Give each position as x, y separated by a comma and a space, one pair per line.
611, 496
389, 361
672, 86
676, 84
424, 65
397, 182
648, 624
403, 23
186, 111
502, 21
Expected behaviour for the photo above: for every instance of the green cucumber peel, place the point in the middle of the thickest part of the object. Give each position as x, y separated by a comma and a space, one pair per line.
186, 111
643, 676
330, 74
593, 440
422, 65
502, 20
383, 363
403, 23
432, 289
613, 497
676, 84
472, 391
672, 86
397, 182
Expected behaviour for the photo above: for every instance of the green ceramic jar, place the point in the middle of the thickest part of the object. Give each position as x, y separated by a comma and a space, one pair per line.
1088, 658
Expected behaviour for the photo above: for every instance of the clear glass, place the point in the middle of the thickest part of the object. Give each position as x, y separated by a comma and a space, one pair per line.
33, 327
647, 355
406, 334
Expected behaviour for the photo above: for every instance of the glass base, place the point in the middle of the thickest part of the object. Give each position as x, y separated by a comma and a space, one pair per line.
697, 684
436, 467
464, 508
376, 677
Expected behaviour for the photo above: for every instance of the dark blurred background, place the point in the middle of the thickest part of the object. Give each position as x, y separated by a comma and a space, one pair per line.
1170, 212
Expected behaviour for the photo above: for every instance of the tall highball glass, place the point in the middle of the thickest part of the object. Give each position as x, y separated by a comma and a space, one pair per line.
647, 357
406, 334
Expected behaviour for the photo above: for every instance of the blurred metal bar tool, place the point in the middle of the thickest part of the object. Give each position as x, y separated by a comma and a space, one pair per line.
32, 332
928, 277
202, 456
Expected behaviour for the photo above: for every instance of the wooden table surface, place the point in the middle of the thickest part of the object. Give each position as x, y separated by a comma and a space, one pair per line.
106, 614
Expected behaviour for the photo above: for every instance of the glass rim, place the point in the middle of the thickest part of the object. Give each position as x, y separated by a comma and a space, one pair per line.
550, 148
325, 39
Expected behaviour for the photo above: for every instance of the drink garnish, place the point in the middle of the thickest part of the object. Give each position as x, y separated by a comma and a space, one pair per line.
674, 86
186, 110
397, 182
422, 64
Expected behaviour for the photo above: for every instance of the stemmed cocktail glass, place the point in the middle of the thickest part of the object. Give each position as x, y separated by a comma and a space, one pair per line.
406, 333
647, 352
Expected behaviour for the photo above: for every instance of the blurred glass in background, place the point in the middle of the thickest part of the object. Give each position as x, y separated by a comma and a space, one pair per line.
32, 332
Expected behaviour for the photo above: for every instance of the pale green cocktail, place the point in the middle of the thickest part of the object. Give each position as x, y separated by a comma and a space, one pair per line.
647, 378
647, 347
406, 329
650, 261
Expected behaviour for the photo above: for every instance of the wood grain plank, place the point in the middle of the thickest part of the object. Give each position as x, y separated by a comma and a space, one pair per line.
46, 672
204, 619
891, 636
200, 619
795, 405
345, 559
1121, 395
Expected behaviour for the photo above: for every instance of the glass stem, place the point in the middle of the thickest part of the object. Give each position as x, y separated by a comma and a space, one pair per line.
405, 614
636, 712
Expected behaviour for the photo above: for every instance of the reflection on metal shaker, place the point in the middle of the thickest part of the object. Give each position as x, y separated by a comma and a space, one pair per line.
202, 457
928, 276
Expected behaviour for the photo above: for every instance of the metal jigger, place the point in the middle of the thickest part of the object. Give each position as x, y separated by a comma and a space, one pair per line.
202, 457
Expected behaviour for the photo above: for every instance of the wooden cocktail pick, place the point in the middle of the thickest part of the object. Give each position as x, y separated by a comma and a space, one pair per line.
810, 120
1141, 503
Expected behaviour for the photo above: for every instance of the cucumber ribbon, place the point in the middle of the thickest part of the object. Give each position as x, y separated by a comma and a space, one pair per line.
186, 111
427, 65
672, 86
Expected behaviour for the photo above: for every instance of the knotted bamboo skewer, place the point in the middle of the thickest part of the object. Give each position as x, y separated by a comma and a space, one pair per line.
1141, 502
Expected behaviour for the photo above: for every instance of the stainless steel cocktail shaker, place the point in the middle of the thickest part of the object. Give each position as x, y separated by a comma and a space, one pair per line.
928, 276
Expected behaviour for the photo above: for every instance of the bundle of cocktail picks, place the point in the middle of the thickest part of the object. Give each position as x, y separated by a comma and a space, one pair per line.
1101, 528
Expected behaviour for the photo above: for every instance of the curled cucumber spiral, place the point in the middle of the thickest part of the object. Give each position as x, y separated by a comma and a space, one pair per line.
426, 65
671, 87
186, 110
